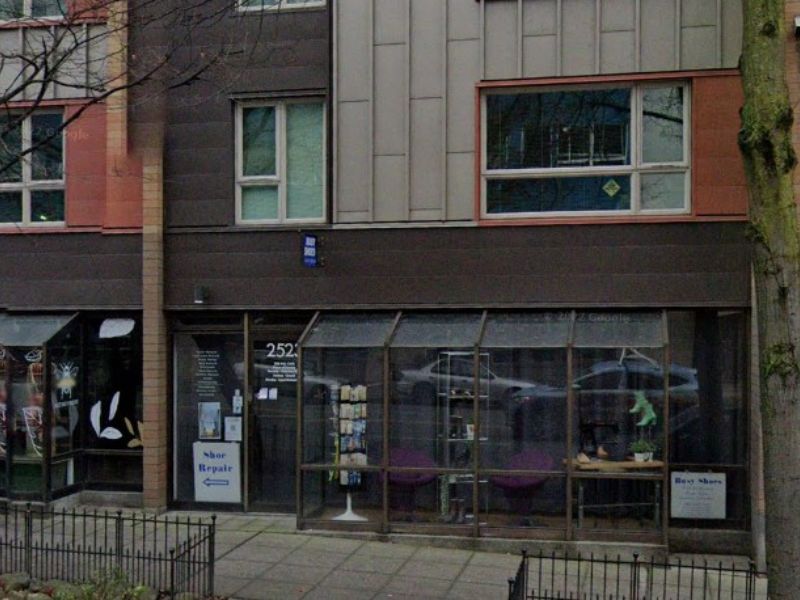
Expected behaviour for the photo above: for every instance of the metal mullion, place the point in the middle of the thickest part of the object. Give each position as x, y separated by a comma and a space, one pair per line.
554, 172
570, 399
385, 423
637, 120
476, 418
298, 484
665, 358
26, 170
280, 157
248, 396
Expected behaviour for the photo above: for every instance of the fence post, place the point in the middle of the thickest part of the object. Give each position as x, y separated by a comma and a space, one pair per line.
524, 578
172, 573
210, 566
118, 538
635, 578
29, 541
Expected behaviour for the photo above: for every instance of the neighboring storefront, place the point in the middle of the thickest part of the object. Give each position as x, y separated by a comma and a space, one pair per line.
551, 425
70, 404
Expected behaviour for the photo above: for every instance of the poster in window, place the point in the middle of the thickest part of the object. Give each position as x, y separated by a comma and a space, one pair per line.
209, 420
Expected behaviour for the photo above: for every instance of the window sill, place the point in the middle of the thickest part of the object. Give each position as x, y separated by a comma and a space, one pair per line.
262, 11
607, 220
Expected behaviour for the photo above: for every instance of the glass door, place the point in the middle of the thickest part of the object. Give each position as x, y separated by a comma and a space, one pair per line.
272, 420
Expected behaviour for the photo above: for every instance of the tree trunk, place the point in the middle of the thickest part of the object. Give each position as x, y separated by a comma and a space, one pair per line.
766, 144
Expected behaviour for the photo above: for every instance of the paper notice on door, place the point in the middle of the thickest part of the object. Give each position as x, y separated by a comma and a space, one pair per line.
233, 429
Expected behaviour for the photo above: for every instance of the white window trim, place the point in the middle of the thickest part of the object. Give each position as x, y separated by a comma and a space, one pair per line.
27, 184
281, 7
280, 178
27, 10
634, 170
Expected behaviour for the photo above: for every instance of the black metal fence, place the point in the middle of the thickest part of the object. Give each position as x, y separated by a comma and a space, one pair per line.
552, 577
167, 554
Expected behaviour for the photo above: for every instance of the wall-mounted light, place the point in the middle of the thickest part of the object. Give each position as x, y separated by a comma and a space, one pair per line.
200, 294
797, 27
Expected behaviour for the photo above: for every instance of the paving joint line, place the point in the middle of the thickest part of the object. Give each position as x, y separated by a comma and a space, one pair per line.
393, 575
347, 556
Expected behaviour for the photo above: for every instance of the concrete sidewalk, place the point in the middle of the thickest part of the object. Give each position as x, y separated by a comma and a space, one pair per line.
262, 557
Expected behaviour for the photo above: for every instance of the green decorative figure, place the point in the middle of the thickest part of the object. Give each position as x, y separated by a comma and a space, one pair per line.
643, 406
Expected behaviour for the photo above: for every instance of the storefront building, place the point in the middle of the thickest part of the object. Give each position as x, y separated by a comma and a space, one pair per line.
490, 423
462, 268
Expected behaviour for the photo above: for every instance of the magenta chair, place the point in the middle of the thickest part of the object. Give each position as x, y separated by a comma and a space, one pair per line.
403, 486
519, 490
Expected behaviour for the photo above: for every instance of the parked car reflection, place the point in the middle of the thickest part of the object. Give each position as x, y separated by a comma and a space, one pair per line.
420, 385
603, 398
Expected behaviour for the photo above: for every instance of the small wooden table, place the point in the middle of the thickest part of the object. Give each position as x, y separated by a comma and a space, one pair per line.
618, 466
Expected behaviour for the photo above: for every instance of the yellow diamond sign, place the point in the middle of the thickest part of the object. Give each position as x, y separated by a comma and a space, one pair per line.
612, 188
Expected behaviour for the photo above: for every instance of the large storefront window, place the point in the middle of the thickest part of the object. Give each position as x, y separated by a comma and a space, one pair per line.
40, 405
70, 397
435, 397
343, 398
619, 397
708, 386
524, 454
113, 412
569, 425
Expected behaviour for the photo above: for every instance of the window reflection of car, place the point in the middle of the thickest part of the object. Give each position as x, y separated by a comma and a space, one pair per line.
603, 398
421, 385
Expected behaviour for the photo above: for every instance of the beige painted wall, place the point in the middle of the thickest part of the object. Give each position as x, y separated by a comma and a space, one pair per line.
405, 71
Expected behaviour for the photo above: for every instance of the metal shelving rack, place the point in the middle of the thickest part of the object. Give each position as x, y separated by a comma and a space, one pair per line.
455, 401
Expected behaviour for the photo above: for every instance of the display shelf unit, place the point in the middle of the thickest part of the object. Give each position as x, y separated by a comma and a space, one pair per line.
455, 411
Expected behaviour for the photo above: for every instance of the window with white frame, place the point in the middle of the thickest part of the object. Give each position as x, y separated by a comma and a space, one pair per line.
32, 169
275, 5
589, 150
36, 9
280, 162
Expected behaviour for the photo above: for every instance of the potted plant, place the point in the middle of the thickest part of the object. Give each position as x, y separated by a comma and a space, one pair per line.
643, 450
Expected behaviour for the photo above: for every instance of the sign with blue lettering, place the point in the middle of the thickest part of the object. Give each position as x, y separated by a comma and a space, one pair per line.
698, 495
310, 250
217, 475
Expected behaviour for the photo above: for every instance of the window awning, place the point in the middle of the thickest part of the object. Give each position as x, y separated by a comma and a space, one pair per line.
30, 330
350, 330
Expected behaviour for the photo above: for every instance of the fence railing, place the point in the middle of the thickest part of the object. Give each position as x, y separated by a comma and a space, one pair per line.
167, 554
551, 577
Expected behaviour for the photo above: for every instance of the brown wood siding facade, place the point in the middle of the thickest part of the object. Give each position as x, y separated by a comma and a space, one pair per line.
663, 265
70, 271
287, 53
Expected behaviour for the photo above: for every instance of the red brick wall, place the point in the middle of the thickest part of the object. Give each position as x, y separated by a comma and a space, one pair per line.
719, 186
86, 166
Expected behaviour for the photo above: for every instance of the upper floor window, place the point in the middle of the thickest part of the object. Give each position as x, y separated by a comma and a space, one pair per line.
279, 4
590, 150
32, 187
36, 9
280, 162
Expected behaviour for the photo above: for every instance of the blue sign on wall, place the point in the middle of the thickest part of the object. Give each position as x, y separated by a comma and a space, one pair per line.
310, 250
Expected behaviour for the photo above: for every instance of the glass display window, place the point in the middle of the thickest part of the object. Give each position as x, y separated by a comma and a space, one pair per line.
564, 425
40, 404
343, 360
433, 425
708, 392
525, 427
113, 402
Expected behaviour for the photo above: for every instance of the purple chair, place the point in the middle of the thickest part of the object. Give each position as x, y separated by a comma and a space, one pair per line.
403, 486
519, 490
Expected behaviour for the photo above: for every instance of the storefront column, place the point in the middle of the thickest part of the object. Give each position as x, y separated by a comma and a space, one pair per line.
154, 331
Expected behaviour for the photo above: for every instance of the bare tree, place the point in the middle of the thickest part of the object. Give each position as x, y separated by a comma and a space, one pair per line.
87, 50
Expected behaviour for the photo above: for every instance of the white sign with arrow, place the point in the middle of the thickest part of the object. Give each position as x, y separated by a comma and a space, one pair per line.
217, 476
